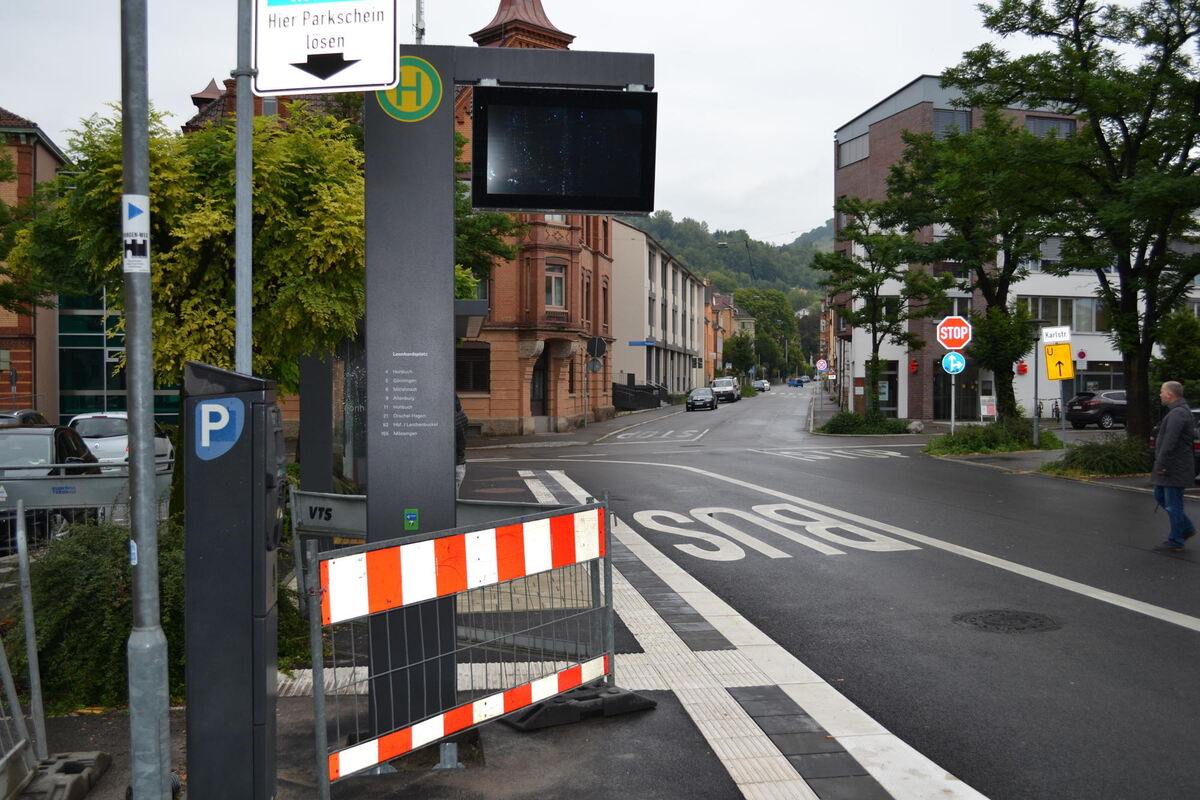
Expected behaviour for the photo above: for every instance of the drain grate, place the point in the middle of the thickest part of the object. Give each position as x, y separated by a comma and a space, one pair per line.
1007, 621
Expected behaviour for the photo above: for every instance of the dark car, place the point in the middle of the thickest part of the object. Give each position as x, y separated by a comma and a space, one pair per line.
702, 397
26, 450
24, 416
1097, 408
1195, 441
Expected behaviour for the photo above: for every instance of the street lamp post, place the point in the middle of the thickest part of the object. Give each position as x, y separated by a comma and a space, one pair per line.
1037, 341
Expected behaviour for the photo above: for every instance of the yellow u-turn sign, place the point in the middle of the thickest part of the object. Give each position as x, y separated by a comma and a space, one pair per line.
1059, 364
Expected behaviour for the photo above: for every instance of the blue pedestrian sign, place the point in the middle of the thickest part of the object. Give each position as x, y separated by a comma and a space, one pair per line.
954, 362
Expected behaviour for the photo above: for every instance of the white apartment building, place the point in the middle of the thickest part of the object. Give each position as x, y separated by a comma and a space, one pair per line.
658, 314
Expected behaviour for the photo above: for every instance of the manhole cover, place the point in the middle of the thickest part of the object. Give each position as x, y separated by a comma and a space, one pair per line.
1007, 621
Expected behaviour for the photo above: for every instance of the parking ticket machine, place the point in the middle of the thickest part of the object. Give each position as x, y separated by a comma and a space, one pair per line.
233, 493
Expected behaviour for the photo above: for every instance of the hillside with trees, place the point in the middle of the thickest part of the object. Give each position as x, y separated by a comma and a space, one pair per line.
732, 260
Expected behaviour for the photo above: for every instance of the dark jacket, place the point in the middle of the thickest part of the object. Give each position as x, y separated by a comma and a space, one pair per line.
460, 433
1174, 463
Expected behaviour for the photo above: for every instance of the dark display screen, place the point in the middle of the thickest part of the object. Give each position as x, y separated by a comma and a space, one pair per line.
563, 150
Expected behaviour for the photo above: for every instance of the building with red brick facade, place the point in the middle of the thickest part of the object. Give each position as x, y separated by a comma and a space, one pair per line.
913, 384
527, 372
28, 342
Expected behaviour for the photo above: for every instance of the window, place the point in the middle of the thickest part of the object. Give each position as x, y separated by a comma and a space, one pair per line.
472, 368
946, 120
651, 321
959, 307
604, 304
856, 149
556, 285
1048, 126
1082, 314
559, 218
663, 317
650, 270
587, 297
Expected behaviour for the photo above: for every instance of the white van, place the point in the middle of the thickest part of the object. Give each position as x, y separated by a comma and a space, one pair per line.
726, 390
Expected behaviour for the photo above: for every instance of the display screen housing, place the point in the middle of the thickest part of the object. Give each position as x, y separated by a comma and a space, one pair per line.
563, 150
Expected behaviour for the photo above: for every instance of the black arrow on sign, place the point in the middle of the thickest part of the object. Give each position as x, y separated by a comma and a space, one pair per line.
1060, 366
325, 65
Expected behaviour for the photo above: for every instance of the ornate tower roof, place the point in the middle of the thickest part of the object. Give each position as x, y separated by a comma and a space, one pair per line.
522, 23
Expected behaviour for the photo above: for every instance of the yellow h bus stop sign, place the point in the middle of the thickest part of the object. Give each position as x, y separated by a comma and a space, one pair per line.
1059, 364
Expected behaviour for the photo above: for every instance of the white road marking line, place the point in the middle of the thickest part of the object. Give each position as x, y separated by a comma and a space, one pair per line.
1104, 596
900, 769
905, 773
540, 493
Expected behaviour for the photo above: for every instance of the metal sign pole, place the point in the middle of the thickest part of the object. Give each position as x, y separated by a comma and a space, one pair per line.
149, 732
953, 392
243, 198
1036, 345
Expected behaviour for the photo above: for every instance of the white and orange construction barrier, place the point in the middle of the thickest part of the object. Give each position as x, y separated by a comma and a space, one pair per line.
532, 606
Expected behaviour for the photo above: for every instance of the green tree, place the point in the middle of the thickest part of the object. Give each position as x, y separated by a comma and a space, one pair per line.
1130, 74
739, 351
1180, 339
308, 246
774, 325
883, 290
996, 192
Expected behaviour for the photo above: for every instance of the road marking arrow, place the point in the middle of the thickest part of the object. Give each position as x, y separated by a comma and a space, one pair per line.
324, 65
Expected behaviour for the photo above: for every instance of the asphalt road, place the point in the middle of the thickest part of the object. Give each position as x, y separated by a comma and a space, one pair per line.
872, 563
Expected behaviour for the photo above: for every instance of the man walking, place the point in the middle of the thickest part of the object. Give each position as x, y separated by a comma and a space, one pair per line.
1174, 467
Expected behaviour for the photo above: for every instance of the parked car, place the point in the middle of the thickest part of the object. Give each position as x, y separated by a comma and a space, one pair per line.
107, 436
26, 450
701, 397
25, 416
793, 381
726, 390
762, 385
1195, 441
1103, 409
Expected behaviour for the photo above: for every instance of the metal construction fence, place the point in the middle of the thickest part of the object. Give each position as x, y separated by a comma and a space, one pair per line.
55, 502
529, 602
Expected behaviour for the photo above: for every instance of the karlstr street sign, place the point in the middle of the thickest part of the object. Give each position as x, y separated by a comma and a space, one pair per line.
319, 46
1059, 364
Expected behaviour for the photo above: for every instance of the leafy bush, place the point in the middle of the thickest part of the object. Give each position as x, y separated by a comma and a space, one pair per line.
1003, 436
870, 423
749, 391
83, 610
1113, 454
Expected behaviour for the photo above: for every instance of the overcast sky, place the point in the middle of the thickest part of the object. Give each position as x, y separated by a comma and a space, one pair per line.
750, 92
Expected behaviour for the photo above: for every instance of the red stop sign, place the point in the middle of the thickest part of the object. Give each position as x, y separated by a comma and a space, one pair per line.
954, 333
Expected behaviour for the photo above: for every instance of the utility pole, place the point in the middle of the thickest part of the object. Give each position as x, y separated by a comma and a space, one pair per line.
243, 198
149, 731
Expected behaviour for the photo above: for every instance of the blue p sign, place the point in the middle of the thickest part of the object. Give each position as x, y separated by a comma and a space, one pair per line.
217, 427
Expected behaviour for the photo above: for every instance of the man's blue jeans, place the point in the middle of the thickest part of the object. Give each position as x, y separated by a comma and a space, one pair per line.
1171, 498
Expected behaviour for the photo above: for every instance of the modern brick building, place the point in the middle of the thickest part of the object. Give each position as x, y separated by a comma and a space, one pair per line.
913, 384
28, 342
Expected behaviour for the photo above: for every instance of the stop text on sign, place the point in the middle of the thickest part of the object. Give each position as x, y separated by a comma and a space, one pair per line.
954, 333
